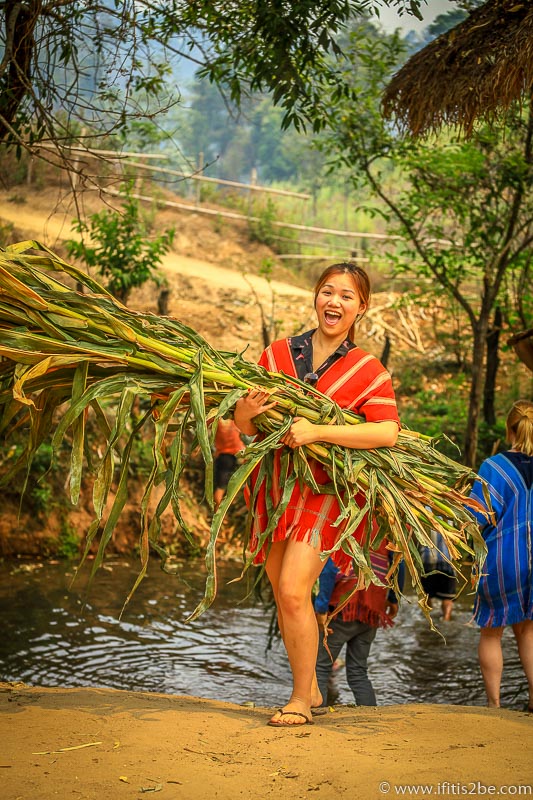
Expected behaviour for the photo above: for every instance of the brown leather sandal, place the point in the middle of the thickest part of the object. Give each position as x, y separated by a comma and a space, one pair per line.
279, 723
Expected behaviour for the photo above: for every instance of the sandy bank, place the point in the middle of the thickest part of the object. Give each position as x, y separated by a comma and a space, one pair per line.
100, 743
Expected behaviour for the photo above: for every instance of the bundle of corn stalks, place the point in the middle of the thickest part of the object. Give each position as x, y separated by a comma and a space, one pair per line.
68, 353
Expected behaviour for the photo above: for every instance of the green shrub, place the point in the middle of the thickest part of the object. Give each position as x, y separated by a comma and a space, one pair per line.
262, 230
68, 543
7, 231
122, 251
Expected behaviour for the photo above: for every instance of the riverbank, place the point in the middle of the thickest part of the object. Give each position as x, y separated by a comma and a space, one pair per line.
97, 743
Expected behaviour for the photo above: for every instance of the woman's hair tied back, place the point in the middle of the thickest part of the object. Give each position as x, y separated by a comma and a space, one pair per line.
520, 426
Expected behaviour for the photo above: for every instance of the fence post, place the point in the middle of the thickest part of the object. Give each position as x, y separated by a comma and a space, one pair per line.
74, 176
29, 171
198, 184
138, 182
253, 182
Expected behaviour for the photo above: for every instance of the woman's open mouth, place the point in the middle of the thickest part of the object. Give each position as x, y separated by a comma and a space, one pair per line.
331, 317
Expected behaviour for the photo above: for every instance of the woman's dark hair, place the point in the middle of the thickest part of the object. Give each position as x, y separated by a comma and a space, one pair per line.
360, 279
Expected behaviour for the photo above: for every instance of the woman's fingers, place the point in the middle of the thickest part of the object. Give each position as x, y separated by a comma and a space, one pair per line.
301, 432
290, 439
256, 400
258, 395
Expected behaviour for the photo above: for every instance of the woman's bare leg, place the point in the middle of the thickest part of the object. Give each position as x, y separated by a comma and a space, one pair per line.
447, 608
523, 632
491, 662
292, 568
273, 570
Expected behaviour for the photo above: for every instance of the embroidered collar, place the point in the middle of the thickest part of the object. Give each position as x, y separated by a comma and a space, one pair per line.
301, 348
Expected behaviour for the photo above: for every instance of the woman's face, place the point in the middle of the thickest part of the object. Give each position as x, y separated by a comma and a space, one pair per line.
337, 305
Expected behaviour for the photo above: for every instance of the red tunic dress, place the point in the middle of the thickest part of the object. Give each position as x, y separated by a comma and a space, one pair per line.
356, 381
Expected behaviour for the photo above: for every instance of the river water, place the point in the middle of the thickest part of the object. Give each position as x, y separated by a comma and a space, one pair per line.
58, 635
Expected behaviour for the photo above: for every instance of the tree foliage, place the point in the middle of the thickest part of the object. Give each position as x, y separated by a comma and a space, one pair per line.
235, 140
106, 63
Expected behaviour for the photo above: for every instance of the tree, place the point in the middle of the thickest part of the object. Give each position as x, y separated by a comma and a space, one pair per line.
463, 209
89, 61
206, 124
122, 251
235, 140
279, 155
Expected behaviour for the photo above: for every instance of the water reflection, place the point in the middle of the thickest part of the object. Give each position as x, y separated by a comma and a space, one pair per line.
55, 636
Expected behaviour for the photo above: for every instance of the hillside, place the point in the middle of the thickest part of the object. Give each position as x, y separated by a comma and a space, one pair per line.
215, 287
212, 273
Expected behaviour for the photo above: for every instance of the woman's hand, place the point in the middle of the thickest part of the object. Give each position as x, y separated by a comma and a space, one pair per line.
321, 622
250, 406
301, 432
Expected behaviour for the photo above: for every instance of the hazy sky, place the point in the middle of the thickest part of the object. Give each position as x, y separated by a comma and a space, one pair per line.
390, 20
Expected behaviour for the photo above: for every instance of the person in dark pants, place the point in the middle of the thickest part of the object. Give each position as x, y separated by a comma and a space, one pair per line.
355, 626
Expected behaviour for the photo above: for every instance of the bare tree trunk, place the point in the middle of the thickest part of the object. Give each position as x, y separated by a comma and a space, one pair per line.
386, 351
476, 390
163, 301
265, 332
493, 362
20, 20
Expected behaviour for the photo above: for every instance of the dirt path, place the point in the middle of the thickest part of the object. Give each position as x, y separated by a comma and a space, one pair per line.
51, 227
223, 278
97, 743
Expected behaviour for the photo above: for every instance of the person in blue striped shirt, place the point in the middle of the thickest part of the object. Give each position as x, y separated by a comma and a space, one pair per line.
505, 594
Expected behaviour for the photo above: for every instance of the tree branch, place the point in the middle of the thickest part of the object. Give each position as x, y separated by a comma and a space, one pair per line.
439, 275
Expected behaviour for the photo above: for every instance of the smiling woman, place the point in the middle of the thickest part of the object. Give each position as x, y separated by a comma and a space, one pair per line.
340, 297
293, 545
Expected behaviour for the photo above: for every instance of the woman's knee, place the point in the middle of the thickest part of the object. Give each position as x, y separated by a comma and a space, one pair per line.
292, 599
523, 630
491, 634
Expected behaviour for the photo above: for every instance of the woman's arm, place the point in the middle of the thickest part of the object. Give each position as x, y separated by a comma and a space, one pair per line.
364, 436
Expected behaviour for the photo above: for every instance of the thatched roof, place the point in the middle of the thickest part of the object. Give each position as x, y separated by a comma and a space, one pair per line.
522, 344
474, 71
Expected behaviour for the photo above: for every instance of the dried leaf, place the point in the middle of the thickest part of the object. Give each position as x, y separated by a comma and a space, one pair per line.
67, 749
